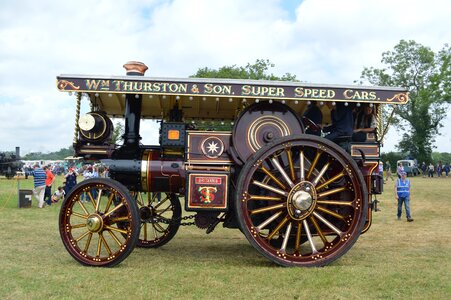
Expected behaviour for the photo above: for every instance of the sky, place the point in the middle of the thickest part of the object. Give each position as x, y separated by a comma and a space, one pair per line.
319, 41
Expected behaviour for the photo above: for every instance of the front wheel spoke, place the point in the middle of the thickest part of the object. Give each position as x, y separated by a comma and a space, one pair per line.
99, 246
328, 224
113, 235
109, 202
335, 202
267, 208
82, 236
282, 171
84, 210
330, 192
88, 242
270, 188
320, 174
116, 229
330, 212
309, 237
119, 219
114, 209
274, 178
313, 164
107, 247
318, 230
326, 183
91, 198
82, 225
278, 227
98, 199
283, 249
268, 220
80, 215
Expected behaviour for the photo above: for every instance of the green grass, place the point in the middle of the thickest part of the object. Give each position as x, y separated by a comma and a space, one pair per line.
394, 259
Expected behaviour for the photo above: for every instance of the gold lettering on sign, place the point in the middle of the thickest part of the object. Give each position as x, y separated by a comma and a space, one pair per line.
217, 89
314, 93
262, 91
359, 95
139, 86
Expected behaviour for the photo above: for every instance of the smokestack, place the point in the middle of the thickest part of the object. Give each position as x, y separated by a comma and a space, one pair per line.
133, 107
17, 152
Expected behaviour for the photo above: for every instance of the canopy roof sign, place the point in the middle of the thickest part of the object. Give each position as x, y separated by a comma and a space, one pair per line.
215, 98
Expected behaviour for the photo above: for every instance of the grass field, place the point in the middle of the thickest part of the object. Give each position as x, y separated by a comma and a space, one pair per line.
394, 259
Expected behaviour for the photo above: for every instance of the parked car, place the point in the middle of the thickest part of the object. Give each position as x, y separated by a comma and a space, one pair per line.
410, 167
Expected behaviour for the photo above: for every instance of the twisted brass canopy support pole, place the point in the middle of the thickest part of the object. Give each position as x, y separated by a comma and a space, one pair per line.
77, 116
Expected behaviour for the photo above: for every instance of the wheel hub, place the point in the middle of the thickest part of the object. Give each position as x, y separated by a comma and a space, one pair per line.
301, 200
94, 223
145, 213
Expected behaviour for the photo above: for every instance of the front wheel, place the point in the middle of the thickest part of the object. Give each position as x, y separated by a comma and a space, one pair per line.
99, 222
301, 201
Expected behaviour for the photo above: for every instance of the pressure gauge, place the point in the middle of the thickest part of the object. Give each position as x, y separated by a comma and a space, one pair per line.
86, 122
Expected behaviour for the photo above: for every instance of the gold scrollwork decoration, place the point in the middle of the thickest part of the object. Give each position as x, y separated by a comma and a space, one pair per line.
63, 83
400, 97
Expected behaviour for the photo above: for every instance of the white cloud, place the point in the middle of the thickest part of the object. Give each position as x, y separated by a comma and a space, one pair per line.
328, 41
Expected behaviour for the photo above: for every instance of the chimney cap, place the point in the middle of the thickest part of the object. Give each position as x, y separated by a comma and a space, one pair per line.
135, 68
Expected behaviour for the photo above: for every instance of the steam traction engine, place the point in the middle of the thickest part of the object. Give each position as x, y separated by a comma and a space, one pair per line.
299, 199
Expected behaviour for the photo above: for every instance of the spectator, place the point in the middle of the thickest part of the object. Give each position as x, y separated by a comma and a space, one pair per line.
439, 169
39, 185
50, 178
58, 195
399, 170
388, 170
87, 174
424, 169
447, 168
71, 180
402, 194
431, 170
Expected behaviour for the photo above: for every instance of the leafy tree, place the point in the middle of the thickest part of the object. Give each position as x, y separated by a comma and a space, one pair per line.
256, 71
118, 132
427, 76
57, 155
392, 157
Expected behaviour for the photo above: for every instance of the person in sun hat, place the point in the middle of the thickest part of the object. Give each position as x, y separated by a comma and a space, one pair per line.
402, 194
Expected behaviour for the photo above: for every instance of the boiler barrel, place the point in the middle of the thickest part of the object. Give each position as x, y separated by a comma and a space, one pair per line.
151, 173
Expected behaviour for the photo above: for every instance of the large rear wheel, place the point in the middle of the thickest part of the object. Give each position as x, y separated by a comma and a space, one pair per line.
301, 201
99, 222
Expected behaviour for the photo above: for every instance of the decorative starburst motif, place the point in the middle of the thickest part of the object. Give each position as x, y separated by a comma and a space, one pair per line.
212, 147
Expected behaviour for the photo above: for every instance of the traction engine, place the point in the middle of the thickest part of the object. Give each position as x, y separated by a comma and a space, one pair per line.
234, 152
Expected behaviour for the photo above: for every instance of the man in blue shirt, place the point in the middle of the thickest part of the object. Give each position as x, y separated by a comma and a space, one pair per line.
402, 194
39, 185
